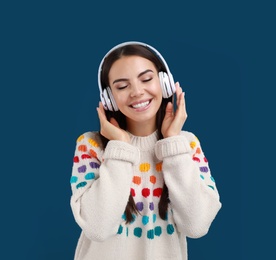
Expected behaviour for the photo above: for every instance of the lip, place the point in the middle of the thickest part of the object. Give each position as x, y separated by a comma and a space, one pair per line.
139, 102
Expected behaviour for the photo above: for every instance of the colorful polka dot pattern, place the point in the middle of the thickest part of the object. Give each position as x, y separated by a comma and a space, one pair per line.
146, 188
86, 162
199, 157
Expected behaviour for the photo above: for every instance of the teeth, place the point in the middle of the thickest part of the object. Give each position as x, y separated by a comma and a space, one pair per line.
141, 104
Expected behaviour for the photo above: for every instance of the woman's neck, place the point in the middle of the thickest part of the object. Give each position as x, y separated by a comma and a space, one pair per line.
141, 128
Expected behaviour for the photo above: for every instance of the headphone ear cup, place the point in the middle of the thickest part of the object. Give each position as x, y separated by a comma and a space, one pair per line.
167, 84
105, 100
109, 101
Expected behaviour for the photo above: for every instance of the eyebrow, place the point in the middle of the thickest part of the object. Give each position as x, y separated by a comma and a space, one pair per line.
139, 75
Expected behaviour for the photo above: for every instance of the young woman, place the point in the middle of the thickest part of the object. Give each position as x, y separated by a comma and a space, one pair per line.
140, 185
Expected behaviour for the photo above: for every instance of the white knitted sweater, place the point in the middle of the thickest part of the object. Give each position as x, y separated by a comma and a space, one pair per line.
103, 179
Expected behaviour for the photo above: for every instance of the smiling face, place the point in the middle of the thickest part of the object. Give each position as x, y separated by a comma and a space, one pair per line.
136, 89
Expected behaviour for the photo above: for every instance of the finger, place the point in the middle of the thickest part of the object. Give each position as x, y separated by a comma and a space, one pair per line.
114, 122
178, 93
101, 112
181, 113
169, 109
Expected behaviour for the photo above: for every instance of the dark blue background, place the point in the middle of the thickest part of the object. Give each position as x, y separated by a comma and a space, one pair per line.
223, 55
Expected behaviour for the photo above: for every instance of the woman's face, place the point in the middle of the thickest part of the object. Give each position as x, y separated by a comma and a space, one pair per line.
135, 85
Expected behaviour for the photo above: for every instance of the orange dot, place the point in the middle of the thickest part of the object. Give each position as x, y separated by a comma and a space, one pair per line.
82, 148
93, 153
136, 180
198, 150
158, 167
153, 179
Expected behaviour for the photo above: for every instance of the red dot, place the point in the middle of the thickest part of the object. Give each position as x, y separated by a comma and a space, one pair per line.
157, 192
145, 192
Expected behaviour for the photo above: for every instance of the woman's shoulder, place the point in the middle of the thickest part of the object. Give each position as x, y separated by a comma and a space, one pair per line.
90, 143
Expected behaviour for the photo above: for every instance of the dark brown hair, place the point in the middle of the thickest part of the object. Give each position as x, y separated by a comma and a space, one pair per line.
142, 51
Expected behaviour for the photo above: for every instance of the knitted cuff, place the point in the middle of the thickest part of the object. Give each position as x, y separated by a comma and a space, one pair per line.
123, 151
171, 146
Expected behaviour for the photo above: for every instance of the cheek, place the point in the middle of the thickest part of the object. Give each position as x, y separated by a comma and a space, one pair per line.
119, 99
158, 91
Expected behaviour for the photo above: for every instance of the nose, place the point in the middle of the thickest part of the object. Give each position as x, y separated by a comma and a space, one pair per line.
136, 90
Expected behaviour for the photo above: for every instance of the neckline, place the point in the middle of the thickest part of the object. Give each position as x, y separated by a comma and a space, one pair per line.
144, 142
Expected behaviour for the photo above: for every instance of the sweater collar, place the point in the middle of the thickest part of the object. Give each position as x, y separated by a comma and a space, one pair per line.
144, 142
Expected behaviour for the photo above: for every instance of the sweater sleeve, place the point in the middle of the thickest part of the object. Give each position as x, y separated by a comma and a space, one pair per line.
100, 185
193, 194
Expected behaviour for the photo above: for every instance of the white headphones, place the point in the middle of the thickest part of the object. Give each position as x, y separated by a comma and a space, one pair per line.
166, 78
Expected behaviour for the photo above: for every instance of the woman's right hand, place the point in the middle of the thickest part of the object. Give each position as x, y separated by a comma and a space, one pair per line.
111, 130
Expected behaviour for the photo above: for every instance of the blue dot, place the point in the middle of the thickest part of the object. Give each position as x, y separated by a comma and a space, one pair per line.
90, 176
212, 178
150, 234
81, 184
170, 229
145, 220
137, 232
133, 217
73, 179
158, 231
120, 230
154, 218
212, 187
201, 176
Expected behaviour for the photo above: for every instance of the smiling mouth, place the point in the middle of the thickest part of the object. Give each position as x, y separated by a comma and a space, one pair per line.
141, 105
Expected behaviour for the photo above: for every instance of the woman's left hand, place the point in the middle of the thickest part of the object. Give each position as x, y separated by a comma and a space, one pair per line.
173, 122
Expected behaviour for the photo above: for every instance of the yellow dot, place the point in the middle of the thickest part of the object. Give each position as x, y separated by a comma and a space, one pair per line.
93, 142
80, 138
193, 145
144, 167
